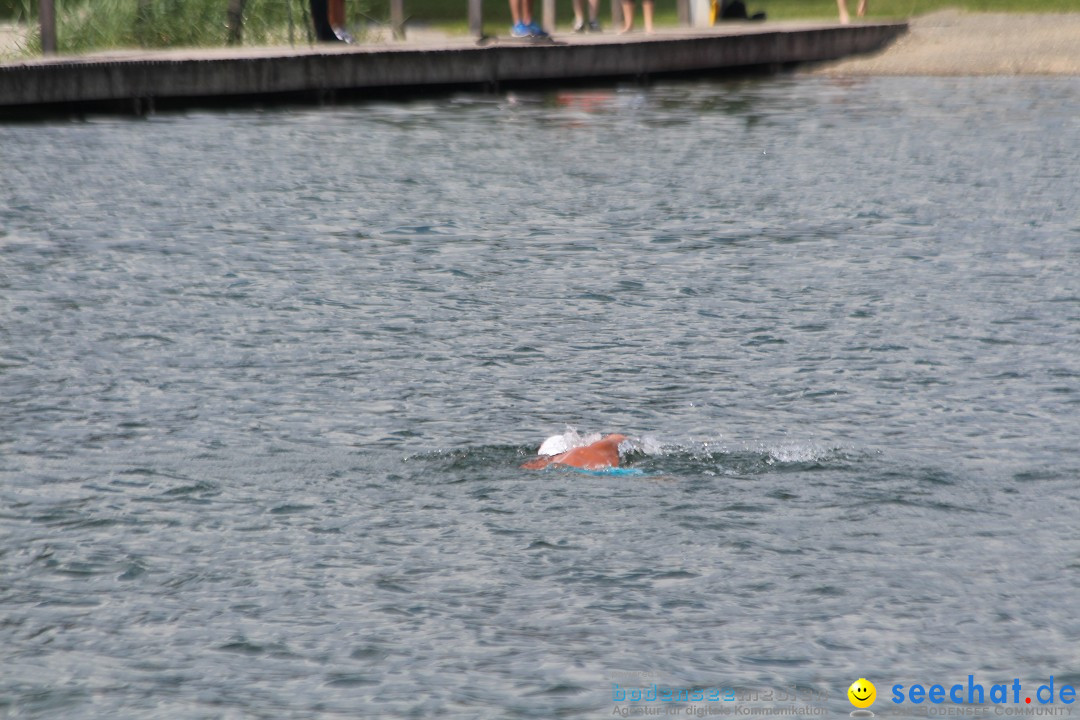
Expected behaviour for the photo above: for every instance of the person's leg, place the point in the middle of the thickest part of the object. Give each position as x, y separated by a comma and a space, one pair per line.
515, 11
647, 11
320, 18
627, 15
844, 17
336, 14
527, 17
336, 11
579, 15
862, 8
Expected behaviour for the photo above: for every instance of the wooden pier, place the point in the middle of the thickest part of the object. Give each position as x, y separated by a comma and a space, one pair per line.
141, 81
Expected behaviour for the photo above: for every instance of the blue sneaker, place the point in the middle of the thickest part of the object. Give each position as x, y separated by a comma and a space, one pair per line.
520, 30
536, 31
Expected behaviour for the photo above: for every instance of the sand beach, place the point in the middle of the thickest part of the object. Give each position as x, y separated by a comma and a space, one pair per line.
956, 43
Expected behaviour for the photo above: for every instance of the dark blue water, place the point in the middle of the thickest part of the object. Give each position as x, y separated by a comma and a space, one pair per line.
266, 380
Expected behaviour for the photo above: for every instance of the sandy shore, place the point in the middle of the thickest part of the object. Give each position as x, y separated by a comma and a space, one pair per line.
956, 43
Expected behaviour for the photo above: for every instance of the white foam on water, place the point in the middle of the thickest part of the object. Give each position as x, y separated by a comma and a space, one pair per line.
797, 453
646, 445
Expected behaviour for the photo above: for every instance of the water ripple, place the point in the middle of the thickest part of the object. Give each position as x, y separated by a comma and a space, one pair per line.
267, 381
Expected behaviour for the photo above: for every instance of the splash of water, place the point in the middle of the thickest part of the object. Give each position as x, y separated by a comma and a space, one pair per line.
797, 453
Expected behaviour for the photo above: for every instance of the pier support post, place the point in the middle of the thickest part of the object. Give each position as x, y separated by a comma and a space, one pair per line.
616, 15
476, 18
397, 19
682, 7
235, 21
47, 17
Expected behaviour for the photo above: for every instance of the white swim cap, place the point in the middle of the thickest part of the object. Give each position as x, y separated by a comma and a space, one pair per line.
554, 445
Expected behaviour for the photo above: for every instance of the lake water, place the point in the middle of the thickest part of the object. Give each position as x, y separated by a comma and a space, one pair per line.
266, 379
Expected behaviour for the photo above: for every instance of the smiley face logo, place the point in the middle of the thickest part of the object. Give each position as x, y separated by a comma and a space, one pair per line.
862, 693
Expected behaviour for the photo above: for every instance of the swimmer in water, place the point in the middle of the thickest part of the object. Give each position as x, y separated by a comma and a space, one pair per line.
598, 456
